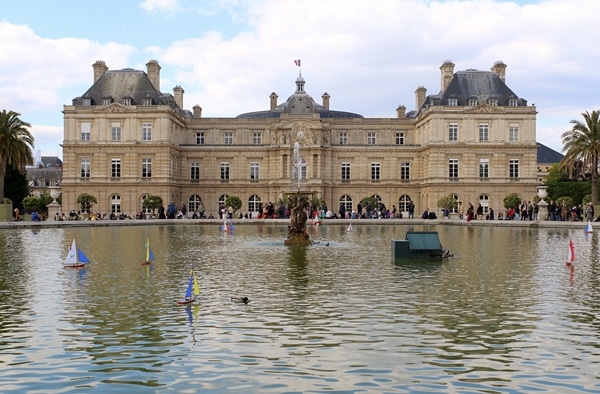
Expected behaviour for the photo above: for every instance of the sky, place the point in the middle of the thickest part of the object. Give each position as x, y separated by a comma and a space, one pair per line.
229, 55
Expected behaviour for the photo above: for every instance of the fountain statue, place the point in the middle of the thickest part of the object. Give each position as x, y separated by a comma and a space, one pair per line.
298, 204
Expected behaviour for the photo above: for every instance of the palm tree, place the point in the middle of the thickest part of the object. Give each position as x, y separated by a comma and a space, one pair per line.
16, 143
582, 144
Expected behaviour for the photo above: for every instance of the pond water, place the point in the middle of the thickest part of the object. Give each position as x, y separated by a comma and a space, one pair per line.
504, 315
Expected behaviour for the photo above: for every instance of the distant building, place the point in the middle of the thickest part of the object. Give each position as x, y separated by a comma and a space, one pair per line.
546, 158
125, 139
47, 173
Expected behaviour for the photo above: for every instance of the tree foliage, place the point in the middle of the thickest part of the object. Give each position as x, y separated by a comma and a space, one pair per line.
16, 186
152, 202
512, 200
448, 202
233, 202
582, 147
16, 143
86, 201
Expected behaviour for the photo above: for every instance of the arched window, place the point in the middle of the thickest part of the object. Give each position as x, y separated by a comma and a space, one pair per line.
484, 200
346, 201
403, 203
115, 203
455, 210
144, 209
253, 203
194, 203
221, 202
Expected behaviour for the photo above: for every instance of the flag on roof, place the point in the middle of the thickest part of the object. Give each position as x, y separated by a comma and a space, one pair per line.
297, 62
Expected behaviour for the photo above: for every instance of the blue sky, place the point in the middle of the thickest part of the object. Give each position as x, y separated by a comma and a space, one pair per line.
229, 55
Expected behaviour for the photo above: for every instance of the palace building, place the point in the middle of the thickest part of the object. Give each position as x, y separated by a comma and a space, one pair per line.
125, 139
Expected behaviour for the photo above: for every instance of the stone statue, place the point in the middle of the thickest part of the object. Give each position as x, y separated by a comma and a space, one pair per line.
297, 229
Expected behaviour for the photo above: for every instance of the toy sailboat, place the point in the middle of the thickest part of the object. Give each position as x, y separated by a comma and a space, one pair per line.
192, 290
588, 228
316, 221
349, 229
75, 258
571, 254
149, 254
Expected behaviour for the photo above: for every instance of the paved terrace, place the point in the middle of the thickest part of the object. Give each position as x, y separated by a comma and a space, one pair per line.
399, 222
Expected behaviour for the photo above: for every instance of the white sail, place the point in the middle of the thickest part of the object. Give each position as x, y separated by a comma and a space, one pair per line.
71, 258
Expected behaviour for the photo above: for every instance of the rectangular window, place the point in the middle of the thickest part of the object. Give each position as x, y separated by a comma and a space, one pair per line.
228, 138
484, 168
375, 171
345, 171
513, 102
87, 102
194, 171
127, 101
343, 138
371, 139
453, 168
86, 168
254, 171
146, 168
257, 138
146, 131
224, 171
513, 168
513, 133
484, 132
452, 102
405, 170
147, 101
86, 131
200, 138
399, 138
453, 132
115, 168
106, 101
115, 131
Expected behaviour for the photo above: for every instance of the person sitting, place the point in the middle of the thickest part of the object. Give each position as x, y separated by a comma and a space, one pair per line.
425, 214
179, 214
35, 217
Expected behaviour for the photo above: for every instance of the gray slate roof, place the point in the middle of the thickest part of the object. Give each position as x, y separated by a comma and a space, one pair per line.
125, 83
469, 84
547, 155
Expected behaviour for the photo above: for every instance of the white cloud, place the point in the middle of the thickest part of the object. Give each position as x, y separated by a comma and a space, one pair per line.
159, 5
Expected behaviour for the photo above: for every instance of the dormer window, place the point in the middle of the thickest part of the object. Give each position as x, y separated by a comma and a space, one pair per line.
126, 101
453, 102
148, 101
106, 100
87, 102
513, 102
472, 102
493, 102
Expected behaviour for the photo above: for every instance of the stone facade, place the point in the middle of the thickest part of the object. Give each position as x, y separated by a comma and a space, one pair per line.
124, 139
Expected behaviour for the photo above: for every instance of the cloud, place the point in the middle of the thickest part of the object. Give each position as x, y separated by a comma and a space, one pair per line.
159, 5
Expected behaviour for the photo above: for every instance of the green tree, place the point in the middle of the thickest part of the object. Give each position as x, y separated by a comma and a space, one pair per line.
449, 202
16, 143
86, 201
152, 202
233, 202
16, 186
45, 199
512, 200
582, 144
31, 203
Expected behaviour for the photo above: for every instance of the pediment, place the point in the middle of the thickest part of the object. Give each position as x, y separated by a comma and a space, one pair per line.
116, 107
485, 109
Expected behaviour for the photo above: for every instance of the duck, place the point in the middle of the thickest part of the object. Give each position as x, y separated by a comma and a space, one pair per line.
327, 244
241, 300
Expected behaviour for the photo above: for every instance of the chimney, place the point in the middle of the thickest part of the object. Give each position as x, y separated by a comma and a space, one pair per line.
499, 69
401, 112
273, 98
99, 69
154, 73
197, 111
325, 98
420, 95
447, 69
178, 93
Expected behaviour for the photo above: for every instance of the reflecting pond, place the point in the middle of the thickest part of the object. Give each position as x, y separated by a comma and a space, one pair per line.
504, 315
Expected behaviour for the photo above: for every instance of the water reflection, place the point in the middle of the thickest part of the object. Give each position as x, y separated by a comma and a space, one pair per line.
504, 315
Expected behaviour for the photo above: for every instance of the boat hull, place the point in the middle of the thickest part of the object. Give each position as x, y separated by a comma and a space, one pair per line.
185, 302
74, 265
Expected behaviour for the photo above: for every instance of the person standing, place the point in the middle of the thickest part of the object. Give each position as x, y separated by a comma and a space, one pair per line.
411, 210
342, 211
461, 211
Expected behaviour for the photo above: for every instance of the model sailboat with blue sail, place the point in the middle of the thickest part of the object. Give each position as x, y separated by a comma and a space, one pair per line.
192, 290
149, 254
75, 258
